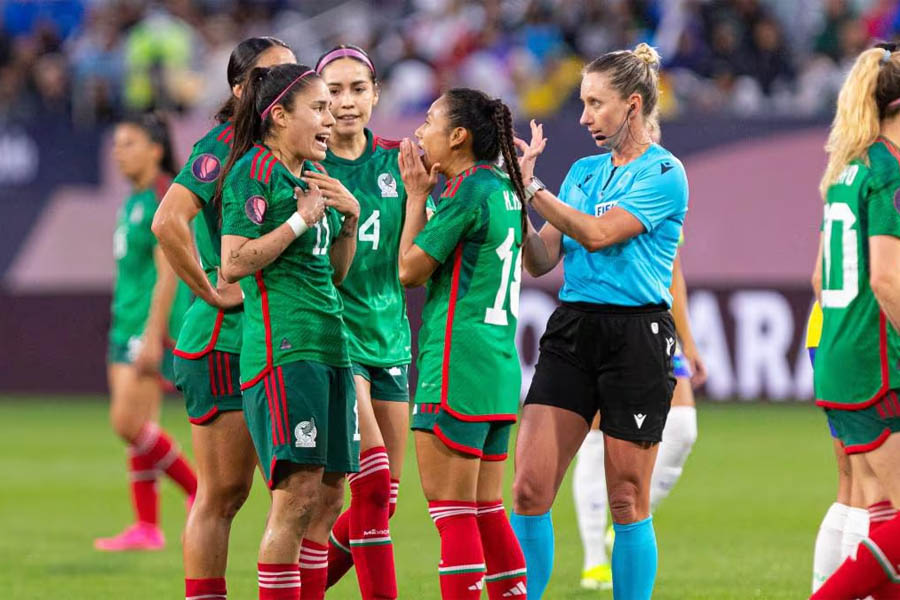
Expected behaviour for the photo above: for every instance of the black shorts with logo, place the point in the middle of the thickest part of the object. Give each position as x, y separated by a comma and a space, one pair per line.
612, 359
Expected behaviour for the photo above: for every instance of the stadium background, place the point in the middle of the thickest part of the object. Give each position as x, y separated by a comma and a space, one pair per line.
748, 90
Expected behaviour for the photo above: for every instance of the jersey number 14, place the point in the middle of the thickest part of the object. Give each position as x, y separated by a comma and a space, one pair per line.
511, 259
839, 214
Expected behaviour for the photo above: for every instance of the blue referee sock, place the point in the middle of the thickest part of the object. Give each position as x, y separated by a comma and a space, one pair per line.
536, 539
633, 560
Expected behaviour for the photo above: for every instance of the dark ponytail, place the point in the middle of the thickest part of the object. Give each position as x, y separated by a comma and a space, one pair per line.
489, 122
155, 125
266, 87
242, 60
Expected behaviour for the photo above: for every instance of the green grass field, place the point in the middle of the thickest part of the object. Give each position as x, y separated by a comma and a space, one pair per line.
740, 524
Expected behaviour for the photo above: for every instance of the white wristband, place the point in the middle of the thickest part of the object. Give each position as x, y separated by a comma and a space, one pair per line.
297, 224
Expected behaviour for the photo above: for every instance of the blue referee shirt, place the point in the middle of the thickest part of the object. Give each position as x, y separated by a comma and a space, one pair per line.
638, 271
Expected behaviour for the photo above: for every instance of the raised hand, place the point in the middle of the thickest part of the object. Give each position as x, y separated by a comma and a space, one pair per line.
531, 151
310, 204
335, 194
417, 181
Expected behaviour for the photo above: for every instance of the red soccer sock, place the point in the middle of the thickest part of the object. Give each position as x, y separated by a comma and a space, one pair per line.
144, 495
395, 492
313, 569
505, 562
370, 536
879, 514
207, 589
339, 557
874, 565
462, 558
279, 581
153, 442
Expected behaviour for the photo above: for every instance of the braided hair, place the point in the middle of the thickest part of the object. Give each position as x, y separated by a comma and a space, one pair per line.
489, 122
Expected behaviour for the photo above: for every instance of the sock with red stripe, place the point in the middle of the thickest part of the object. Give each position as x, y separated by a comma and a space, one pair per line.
205, 589
370, 537
279, 581
395, 492
462, 557
879, 514
313, 569
505, 576
874, 566
144, 494
153, 443
339, 557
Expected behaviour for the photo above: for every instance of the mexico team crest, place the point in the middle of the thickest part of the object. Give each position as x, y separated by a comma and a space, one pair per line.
206, 168
388, 185
255, 207
305, 434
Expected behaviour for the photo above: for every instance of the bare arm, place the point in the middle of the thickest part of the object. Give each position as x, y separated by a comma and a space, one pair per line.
683, 324
416, 266
542, 250
817, 273
339, 197
884, 256
344, 249
594, 233
156, 330
172, 227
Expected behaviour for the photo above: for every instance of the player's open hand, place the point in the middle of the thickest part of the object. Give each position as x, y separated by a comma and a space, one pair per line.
531, 151
228, 295
335, 194
310, 204
418, 182
149, 357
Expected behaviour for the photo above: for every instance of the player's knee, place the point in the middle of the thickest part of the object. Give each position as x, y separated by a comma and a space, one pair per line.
531, 495
124, 425
623, 502
225, 500
291, 514
379, 495
332, 505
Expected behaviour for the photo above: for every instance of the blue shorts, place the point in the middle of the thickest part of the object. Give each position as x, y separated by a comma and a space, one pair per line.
681, 367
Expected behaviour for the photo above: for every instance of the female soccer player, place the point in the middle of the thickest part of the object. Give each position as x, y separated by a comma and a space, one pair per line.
375, 314
679, 435
855, 373
469, 252
143, 325
289, 252
207, 353
609, 347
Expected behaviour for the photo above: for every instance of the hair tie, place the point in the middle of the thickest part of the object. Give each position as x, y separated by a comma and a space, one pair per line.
345, 53
887, 56
266, 112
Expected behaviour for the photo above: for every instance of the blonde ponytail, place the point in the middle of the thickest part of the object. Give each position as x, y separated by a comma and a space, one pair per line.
857, 122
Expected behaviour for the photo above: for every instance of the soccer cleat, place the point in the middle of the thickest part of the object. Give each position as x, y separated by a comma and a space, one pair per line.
597, 578
140, 536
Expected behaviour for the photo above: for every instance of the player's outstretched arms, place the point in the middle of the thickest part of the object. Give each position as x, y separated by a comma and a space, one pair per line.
884, 252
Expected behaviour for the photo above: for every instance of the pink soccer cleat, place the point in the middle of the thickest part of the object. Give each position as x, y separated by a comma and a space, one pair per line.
140, 536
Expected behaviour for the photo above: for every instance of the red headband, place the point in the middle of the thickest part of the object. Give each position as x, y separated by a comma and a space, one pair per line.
344, 53
266, 112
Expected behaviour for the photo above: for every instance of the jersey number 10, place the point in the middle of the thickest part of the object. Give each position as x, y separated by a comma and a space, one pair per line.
512, 261
840, 213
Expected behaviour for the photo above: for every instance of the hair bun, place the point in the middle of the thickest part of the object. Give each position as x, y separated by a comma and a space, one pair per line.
647, 54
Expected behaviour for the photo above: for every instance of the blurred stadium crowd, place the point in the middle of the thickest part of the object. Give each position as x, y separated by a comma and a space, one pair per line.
93, 60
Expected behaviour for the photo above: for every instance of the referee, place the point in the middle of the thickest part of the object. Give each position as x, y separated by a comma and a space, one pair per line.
609, 346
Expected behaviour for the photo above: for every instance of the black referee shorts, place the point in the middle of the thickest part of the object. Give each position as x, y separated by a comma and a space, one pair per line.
612, 359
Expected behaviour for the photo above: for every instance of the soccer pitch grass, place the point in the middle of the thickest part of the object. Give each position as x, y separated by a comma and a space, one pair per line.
740, 524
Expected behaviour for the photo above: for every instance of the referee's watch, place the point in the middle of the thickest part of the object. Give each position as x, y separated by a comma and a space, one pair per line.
533, 188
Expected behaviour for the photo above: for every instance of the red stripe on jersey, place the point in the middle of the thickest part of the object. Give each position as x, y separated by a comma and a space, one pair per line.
267, 324
212, 378
253, 164
229, 137
261, 166
885, 374
224, 133
448, 331
219, 367
384, 143
894, 403
209, 347
228, 371
269, 170
283, 431
881, 410
272, 420
285, 416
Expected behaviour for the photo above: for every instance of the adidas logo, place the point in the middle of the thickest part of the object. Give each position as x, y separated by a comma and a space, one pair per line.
479, 585
517, 590
639, 419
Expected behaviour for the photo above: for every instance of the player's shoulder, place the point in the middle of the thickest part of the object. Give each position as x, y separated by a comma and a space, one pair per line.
218, 139
589, 164
657, 158
383, 145
884, 162
480, 182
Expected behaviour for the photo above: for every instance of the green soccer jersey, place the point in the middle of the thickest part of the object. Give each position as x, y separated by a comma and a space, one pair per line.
374, 300
206, 328
133, 246
857, 358
292, 310
467, 353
